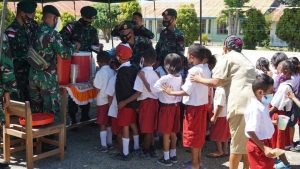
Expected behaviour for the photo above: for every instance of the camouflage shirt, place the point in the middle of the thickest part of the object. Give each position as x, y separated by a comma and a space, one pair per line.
170, 42
7, 77
49, 45
142, 31
138, 48
79, 32
19, 38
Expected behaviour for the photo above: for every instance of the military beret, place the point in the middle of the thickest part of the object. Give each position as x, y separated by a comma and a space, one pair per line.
170, 12
88, 12
125, 25
51, 9
27, 6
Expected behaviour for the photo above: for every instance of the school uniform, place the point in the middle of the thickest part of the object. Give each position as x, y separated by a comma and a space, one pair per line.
124, 89
169, 112
100, 82
194, 121
220, 130
258, 120
113, 108
148, 101
280, 138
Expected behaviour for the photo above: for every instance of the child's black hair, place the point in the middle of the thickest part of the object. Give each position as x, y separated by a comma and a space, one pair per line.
263, 64
296, 64
287, 66
173, 63
137, 14
103, 57
199, 51
150, 56
263, 82
212, 61
277, 58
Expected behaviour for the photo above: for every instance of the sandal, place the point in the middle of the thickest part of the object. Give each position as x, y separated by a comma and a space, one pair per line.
214, 155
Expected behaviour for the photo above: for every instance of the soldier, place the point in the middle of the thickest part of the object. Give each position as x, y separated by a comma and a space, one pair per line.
43, 83
139, 29
20, 34
171, 39
138, 44
7, 81
84, 33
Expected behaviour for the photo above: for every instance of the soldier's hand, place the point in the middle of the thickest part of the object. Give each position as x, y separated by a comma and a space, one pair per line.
77, 46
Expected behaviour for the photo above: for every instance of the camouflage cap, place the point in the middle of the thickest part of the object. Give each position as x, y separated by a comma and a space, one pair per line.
170, 12
88, 12
27, 6
51, 9
125, 25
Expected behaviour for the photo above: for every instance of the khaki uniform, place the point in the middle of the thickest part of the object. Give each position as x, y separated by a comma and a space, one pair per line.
238, 74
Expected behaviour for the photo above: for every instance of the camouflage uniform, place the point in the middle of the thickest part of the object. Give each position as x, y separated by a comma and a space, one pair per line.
7, 77
79, 32
170, 42
142, 31
43, 84
20, 38
140, 45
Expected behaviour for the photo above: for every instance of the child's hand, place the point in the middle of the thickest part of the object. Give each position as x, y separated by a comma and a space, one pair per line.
213, 119
167, 88
268, 152
122, 104
290, 95
195, 78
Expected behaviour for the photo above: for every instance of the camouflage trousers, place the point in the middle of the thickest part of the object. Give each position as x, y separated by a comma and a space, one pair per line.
22, 86
44, 96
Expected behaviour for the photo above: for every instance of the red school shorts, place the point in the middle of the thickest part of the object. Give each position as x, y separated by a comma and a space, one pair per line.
126, 116
102, 117
220, 130
256, 156
169, 118
148, 115
115, 128
194, 126
280, 138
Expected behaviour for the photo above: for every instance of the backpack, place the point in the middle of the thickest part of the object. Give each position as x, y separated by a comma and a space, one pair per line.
294, 113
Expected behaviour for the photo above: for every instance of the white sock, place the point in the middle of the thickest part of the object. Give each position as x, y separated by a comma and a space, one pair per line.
136, 142
125, 142
166, 155
103, 135
172, 153
109, 136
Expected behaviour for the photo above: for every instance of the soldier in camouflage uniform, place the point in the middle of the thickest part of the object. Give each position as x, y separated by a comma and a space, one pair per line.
138, 44
20, 34
7, 81
171, 39
83, 32
44, 90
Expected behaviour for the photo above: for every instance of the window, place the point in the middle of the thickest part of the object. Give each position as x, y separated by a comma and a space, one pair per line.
209, 26
203, 25
222, 28
150, 25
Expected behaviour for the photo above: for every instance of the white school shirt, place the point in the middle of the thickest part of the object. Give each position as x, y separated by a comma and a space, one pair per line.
160, 70
151, 77
175, 82
220, 100
101, 81
258, 120
110, 91
280, 99
296, 83
197, 92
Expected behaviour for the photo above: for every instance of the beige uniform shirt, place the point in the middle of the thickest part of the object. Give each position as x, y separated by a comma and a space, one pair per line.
238, 74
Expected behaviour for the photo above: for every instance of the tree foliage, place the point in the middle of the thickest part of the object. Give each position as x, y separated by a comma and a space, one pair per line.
127, 9
288, 28
9, 18
290, 2
188, 22
102, 21
38, 16
255, 28
66, 18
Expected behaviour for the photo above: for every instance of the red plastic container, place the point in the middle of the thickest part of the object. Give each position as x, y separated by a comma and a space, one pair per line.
83, 60
63, 70
39, 119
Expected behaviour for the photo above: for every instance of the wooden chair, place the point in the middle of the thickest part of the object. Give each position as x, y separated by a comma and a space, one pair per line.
29, 134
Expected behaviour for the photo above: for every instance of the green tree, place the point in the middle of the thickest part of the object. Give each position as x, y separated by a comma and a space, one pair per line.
102, 21
127, 9
255, 28
288, 28
233, 14
188, 22
66, 18
10, 16
290, 2
38, 16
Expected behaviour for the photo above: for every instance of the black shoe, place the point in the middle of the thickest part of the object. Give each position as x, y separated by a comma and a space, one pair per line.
4, 165
122, 157
164, 162
174, 160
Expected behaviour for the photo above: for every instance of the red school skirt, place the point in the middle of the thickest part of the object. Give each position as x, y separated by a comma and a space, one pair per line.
220, 130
